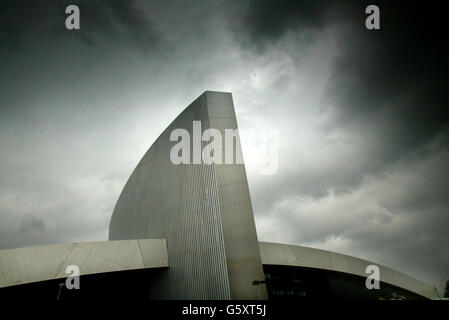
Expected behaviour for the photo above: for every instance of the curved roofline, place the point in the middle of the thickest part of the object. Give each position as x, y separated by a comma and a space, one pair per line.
293, 255
41, 263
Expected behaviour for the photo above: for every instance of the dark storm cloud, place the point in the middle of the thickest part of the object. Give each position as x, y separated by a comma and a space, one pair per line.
60, 92
395, 78
78, 108
399, 70
263, 23
387, 98
33, 24
40, 57
399, 219
389, 85
32, 223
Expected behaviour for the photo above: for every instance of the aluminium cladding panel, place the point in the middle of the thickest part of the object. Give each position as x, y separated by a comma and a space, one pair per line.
243, 258
181, 204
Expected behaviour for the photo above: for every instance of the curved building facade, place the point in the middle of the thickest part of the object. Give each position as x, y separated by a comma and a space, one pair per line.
186, 231
132, 269
297, 272
203, 210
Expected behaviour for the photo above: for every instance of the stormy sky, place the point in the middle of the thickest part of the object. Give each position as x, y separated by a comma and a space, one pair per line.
362, 117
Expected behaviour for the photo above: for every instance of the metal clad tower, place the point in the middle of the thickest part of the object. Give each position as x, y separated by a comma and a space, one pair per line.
203, 210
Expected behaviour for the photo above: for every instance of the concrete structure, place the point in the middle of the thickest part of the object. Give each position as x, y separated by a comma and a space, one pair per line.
196, 238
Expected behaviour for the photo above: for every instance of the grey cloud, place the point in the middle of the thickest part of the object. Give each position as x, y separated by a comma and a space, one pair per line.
387, 118
38, 24
261, 23
386, 87
398, 219
31, 223
399, 70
